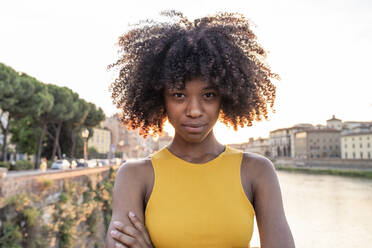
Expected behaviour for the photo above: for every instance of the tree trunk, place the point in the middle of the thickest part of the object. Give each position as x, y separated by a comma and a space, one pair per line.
5, 143
59, 151
39, 145
56, 140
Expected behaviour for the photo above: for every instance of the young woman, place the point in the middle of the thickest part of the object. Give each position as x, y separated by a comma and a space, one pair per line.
195, 192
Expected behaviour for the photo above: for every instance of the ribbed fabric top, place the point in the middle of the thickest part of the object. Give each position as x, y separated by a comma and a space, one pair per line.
199, 205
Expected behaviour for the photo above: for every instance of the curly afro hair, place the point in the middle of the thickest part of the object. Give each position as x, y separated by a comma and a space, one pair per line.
221, 49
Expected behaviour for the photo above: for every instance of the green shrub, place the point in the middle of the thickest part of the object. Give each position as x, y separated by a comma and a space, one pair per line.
10, 235
64, 197
22, 165
31, 214
92, 221
5, 164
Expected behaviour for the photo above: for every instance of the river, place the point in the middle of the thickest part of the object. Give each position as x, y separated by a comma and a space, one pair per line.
326, 211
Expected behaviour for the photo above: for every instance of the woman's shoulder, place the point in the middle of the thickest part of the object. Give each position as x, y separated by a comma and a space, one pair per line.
257, 167
135, 168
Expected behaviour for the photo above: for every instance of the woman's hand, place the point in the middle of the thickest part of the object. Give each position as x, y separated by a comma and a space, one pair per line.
129, 236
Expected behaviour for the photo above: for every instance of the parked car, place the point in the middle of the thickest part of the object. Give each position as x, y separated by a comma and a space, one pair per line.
92, 163
62, 164
82, 163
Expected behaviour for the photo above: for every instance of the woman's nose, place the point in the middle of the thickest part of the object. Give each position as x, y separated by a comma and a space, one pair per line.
194, 108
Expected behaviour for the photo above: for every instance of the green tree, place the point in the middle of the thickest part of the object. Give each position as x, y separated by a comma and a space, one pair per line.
21, 95
64, 109
95, 116
24, 134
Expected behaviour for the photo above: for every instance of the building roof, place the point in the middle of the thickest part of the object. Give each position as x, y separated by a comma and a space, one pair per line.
325, 130
278, 130
334, 118
357, 134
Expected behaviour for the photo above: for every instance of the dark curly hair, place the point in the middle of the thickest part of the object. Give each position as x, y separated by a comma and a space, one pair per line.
220, 49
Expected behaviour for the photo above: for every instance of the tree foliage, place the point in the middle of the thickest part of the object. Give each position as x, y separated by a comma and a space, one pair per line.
39, 115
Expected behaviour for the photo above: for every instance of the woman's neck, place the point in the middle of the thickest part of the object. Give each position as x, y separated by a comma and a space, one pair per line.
206, 150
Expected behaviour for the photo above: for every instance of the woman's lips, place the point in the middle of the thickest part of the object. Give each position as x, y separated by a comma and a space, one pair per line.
194, 128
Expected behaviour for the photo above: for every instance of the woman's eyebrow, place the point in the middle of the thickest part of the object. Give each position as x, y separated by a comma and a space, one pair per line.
210, 88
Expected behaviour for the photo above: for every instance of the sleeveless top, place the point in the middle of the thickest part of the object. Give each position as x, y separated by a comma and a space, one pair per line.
199, 205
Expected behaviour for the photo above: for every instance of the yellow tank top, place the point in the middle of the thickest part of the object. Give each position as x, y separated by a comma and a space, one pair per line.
199, 205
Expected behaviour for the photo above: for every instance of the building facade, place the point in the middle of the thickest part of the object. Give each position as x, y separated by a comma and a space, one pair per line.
100, 140
357, 145
280, 143
259, 146
130, 143
334, 123
318, 143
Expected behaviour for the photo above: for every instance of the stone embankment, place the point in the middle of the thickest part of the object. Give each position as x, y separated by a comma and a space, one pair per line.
326, 163
69, 208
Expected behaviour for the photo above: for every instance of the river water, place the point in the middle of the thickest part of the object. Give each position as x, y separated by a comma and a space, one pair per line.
326, 211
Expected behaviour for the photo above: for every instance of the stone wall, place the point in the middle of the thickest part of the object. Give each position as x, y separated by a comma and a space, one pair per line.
335, 163
69, 208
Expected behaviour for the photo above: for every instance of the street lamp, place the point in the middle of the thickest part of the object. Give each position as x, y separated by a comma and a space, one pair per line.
85, 135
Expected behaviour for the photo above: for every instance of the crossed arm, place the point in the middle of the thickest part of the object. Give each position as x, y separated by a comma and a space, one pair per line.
129, 192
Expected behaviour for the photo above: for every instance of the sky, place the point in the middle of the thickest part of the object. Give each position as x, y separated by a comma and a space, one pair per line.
321, 50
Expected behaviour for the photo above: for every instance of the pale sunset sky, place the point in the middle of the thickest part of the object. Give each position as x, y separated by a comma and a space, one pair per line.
321, 49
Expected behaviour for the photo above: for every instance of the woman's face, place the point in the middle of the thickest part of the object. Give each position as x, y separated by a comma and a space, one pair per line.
193, 110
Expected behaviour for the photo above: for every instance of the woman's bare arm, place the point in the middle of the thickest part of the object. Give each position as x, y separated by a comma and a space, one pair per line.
128, 195
271, 221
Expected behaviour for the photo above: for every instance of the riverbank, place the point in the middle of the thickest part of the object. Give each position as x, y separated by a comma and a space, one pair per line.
327, 171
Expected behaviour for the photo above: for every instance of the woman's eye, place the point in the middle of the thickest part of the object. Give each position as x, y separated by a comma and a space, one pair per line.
178, 95
209, 95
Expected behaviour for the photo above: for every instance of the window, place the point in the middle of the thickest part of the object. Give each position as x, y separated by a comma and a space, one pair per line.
345, 145
353, 154
369, 155
361, 154
360, 145
368, 145
360, 138
353, 145
352, 138
345, 154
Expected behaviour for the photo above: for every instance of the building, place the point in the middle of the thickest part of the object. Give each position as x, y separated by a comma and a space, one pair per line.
162, 141
334, 123
118, 133
259, 146
318, 143
292, 135
100, 140
350, 126
129, 142
239, 146
357, 143
280, 143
